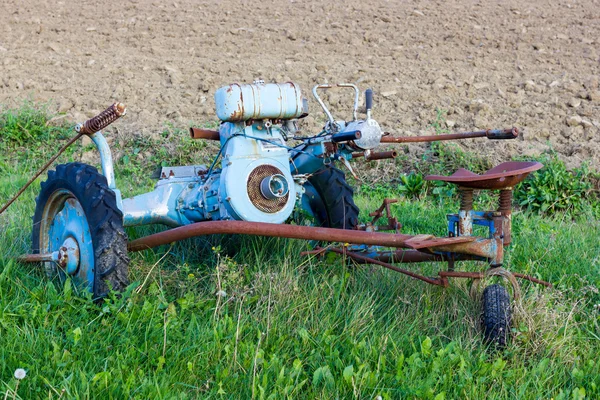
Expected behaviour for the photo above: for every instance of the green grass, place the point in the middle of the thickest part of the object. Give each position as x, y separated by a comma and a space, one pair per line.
289, 327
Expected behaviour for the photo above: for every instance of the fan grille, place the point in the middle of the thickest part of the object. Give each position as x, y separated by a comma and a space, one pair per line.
256, 197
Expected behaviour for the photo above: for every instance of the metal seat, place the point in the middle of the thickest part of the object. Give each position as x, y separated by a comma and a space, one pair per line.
502, 176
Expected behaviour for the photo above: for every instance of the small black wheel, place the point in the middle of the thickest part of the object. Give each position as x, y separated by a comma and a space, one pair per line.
496, 315
331, 199
77, 219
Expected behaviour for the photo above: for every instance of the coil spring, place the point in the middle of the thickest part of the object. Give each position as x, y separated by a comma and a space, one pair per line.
102, 120
466, 199
505, 203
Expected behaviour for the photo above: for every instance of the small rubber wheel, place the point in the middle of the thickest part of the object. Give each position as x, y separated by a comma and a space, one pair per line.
76, 212
496, 315
331, 199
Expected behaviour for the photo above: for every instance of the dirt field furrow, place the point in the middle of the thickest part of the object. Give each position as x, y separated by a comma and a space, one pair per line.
534, 65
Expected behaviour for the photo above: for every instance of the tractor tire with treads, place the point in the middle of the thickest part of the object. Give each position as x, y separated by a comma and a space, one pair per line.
331, 199
75, 203
496, 316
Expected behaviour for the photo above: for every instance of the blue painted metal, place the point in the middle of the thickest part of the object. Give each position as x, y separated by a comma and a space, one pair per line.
159, 206
106, 162
311, 159
220, 194
246, 148
69, 230
482, 218
237, 102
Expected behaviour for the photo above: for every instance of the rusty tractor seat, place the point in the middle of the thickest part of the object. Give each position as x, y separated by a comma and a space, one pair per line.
501, 176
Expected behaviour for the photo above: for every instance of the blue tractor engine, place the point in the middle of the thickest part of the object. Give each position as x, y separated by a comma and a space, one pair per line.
254, 183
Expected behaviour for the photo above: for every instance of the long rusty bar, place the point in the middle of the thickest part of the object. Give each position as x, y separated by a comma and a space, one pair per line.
271, 230
368, 260
442, 281
40, 171
532, 279
89, 127
407, 256
511, 133
397, 256
481, 275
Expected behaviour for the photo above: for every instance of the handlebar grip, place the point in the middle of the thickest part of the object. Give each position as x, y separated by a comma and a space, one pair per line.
495, 134
102, 120
345, 136
369, 99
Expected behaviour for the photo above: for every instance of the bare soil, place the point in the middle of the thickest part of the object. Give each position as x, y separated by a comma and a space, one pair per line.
534, 65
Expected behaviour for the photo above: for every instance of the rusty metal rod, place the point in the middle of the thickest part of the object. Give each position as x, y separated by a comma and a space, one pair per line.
407, 256
358, 257
92, 125
481, 275
206, 134
398, 256
32, 258
270, 230
416, 256
382, 155
40, 171
532, 279
511, 133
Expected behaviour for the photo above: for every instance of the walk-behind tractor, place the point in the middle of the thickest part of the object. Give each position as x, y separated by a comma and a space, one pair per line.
268, 173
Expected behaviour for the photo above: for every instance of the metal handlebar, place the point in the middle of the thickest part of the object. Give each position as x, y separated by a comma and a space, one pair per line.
340, 85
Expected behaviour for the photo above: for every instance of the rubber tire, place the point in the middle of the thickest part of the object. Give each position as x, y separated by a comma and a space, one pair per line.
496, 316
333, 207
104, 218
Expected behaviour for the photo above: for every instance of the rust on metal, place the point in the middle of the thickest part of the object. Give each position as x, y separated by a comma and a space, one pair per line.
373, 156
257, 198
466, 199
206, 134
481, 275
40, 171
487, 248
102, 120
505, 208
398, 256
465, 213
89, 127
532, 279
330, 149
270, 230
32, 258
407, 256
429, 241
510, 133
359, 257
503, 176
392, 225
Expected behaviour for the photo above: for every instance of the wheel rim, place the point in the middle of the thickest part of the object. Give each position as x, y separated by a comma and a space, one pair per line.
64, 228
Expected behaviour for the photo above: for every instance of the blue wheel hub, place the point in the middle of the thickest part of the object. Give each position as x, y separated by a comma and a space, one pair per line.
66, 233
